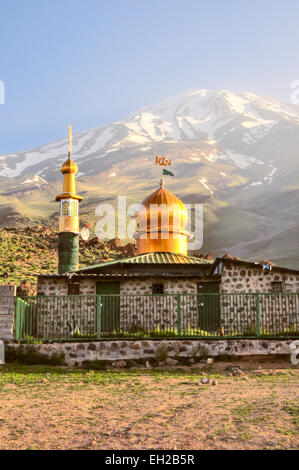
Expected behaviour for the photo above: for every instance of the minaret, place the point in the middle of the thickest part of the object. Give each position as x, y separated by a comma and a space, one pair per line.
68, 237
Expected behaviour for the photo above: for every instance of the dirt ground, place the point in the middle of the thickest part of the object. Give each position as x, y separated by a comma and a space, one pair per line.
44, 407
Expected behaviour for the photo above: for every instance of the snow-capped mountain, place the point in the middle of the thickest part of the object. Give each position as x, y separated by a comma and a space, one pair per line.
220, 126
237, 152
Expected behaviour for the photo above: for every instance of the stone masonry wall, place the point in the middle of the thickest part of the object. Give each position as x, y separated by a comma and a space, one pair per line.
59, 317
277, 312
77, 353
54, 286
7, 294
238, 278
140, 311
157, 312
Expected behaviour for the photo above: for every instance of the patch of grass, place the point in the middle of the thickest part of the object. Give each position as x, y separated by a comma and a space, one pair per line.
293, 410
242, 412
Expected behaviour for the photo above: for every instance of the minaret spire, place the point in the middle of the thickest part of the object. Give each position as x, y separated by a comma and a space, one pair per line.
68, 237
70, 141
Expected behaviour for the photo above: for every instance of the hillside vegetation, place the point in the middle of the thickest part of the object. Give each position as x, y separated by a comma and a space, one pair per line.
33, 250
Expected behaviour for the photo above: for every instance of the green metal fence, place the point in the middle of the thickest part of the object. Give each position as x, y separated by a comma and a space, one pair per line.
221, 315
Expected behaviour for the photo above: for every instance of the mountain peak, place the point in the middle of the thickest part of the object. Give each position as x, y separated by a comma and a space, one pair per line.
216, 125
236, 152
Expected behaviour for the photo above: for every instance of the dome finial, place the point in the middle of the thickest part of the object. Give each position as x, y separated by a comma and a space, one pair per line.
70, 140
69, 167
162, 182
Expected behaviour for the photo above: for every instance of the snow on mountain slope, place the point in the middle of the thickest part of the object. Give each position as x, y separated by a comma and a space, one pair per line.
219, 125
237, 153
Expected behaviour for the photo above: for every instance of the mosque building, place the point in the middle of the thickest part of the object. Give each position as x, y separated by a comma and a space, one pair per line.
161, 266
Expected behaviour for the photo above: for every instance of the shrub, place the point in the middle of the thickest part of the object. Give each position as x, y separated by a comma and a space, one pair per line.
161, 353
29, 355
199, 352
95, 364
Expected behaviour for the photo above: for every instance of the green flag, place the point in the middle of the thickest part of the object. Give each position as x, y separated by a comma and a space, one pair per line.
166, 172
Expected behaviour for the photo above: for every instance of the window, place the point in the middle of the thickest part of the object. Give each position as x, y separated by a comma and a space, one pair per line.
74, 208
64, 208
276, 286
74, 289
69, 207
158, 289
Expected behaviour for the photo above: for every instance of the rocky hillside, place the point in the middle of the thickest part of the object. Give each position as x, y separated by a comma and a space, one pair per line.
27, 252
24, 253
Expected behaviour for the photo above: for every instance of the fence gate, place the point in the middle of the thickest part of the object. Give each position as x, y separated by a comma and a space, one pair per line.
24, 319
108, 309
208, 306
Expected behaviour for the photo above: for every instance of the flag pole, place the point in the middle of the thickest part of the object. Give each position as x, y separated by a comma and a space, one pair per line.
162, 180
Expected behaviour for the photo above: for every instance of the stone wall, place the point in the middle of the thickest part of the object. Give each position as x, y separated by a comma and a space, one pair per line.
76, 353
7, 294
272, 313
64, 316
277, 312
139, 310
171, 285
58, 286
157, 312
244, 278
52, 286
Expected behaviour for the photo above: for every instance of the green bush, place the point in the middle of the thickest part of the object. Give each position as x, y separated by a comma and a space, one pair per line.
29, 355
199, 351
161, 353
96, 364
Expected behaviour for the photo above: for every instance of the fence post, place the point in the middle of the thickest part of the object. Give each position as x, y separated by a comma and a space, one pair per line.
99, 314
179, 313
18, 319
258, 321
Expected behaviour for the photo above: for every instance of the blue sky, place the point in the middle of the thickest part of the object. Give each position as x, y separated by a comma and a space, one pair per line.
90, 62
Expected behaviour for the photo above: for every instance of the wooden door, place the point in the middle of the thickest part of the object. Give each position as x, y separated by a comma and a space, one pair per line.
208, 306
109, 307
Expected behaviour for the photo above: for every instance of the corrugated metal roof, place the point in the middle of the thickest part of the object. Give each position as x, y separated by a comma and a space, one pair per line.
85, 275
152, 258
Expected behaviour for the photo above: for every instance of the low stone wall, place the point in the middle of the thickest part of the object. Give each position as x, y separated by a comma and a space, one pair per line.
7, 294
124, 350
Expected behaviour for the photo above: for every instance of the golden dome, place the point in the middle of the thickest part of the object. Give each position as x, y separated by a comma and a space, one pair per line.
162, 218
69, 167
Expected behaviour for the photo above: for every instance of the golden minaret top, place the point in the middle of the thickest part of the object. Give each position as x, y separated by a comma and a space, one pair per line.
69, 170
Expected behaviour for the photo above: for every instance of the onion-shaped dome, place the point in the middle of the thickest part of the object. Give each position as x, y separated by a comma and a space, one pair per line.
161, 222
69, 167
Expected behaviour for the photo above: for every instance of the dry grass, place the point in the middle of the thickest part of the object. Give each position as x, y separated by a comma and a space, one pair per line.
61, 408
